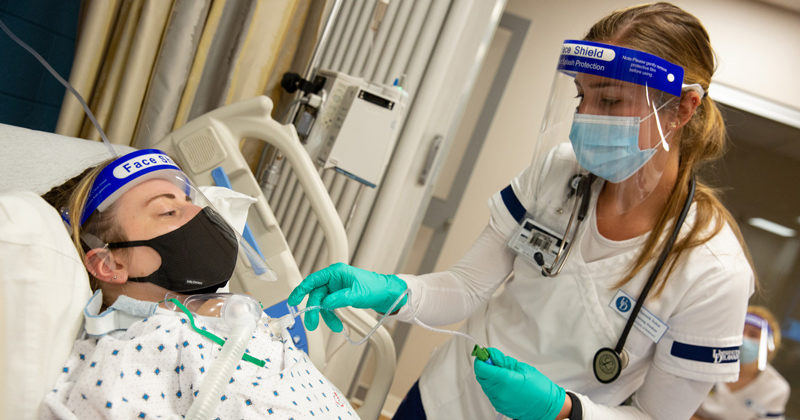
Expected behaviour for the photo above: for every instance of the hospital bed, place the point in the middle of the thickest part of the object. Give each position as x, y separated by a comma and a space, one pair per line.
40, 318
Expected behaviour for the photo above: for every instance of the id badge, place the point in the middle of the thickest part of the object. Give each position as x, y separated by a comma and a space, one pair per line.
532, 238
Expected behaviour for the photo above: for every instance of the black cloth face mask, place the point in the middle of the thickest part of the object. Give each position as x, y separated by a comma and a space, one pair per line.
198, 257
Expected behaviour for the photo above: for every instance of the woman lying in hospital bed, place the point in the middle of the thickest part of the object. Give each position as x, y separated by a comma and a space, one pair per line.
154, 249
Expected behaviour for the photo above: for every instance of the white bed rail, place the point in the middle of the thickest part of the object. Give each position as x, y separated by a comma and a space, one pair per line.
211, 141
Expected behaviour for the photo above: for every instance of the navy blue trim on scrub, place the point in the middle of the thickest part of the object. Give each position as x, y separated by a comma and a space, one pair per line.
512, 203
705, 354
411, 407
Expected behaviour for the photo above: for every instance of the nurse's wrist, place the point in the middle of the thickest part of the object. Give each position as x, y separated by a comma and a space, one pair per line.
572, 408
565, 409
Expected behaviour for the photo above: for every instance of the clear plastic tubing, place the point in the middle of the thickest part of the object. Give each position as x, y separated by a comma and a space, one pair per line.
396, 303
61, 80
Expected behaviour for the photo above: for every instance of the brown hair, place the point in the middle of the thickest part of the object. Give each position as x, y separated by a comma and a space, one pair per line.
673, 34
72, 196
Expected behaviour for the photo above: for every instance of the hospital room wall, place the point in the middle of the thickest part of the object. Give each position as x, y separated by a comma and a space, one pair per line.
749, 61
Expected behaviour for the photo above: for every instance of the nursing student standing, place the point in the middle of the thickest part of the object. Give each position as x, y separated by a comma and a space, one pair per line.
608, 220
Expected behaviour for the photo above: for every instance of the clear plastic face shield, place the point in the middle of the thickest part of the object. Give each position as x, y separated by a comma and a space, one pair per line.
758, 341
612, 113
146, 222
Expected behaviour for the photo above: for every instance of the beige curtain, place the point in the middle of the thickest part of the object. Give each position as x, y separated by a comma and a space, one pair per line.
146, 67
297, 45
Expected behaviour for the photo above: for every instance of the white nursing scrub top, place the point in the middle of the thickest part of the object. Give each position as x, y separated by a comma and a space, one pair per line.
558, 324
763, 398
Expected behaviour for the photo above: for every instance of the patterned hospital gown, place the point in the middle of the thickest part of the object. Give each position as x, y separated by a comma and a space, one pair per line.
155, 368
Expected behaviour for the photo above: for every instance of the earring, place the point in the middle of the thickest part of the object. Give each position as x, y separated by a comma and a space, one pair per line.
115, 277
673, 124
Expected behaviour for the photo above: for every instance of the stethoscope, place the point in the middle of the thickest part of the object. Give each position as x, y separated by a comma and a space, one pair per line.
608, 363
581, 186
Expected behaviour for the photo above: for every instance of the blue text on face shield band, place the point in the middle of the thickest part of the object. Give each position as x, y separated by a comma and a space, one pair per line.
123, 171
621, 63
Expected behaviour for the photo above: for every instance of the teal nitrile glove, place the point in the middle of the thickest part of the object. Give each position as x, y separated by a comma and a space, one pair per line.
518, 390
343, 285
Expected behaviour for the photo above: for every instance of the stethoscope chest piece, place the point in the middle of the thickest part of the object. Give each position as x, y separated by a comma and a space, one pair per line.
608, 364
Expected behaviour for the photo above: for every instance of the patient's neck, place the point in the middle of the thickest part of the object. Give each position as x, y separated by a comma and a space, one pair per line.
140, 291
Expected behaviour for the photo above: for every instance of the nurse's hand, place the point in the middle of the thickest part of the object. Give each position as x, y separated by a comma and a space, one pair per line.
518, 390
342, 285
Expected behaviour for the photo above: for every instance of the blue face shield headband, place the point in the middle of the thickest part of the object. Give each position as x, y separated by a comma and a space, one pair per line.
618, 89
758, 349
183, 244
127, 172
609, 106
195, 252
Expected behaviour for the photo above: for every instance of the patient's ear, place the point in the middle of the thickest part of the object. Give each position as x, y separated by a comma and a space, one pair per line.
103, 266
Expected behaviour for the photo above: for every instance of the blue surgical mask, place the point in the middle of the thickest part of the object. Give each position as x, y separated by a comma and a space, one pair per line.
748, 352
608, 146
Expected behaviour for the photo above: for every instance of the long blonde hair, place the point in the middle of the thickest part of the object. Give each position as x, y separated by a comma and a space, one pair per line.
673, 34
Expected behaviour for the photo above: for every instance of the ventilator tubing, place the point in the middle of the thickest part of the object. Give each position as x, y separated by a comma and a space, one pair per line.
293, 313
217, 378
66, 84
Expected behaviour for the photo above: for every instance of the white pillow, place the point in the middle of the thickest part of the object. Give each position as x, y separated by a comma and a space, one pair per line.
37, 161
43, 288
43, 285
